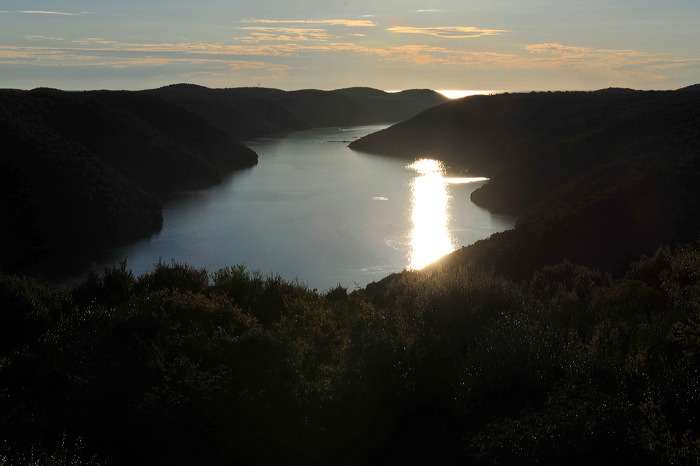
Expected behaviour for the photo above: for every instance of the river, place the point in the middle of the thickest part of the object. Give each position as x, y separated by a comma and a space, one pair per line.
315, 211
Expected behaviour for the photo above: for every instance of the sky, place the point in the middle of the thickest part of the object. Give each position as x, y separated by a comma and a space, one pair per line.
509, 45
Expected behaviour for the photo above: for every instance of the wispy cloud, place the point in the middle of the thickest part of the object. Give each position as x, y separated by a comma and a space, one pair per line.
42, 56
335, 22
605, 63
40, 12
283, 34
39, 37
558, 54
449, 32
93, 41
558, 49
428, 55
266, 57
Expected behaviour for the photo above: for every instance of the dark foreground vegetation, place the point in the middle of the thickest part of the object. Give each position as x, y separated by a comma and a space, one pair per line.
459, 365
595, 177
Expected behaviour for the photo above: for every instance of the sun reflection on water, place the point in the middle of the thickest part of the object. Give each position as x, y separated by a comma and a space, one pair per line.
430, 212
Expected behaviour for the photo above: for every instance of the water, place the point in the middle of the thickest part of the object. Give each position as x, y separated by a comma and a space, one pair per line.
315, 211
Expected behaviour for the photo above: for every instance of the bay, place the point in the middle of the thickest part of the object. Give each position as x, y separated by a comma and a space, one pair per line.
315, 211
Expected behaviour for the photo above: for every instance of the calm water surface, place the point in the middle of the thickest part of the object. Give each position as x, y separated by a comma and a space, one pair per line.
315, 211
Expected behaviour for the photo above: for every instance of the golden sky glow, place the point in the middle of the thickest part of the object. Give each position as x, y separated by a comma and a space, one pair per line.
504, 44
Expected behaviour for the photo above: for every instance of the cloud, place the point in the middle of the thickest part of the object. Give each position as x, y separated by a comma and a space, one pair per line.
110, 50
13, 54
284, 34
35, 37
449, 32
271, 50
48, 13
44, 56
335, 22
554, 53
621, 65
429, 55
93, 40
555, 49
38, 12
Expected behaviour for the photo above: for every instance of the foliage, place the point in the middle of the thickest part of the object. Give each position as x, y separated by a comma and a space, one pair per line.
453, 365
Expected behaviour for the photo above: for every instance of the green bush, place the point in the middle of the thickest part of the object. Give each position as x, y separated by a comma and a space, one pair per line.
181, 366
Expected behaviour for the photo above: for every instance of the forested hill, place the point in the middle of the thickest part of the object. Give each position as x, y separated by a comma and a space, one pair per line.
596, 177
83, 169
253, 112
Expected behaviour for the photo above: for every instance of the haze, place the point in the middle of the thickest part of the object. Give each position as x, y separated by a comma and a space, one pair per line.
508, 45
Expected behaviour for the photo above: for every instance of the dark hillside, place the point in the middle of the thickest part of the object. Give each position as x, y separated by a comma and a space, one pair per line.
247, 113
596, 177
76, 165
244, 113
694, 88
188, 129
57, 195
359, 105
162, 147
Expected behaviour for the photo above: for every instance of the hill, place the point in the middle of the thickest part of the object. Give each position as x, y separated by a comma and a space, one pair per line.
88, 169
595, 177
247, 113
694, 88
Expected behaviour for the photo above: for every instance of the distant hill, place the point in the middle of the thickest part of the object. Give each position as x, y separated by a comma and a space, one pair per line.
595, 177
694, 88
246, 113
616, 90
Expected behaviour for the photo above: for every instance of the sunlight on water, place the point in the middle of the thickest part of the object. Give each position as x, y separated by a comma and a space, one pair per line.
430, 212
464, 180
459, 93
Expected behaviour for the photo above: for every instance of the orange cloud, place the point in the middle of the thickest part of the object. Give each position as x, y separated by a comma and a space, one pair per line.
555, 54
574, 61
427, 55
335, 22
284, 34
39, 12
44, 37
621, 65
448, 32
556, 49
